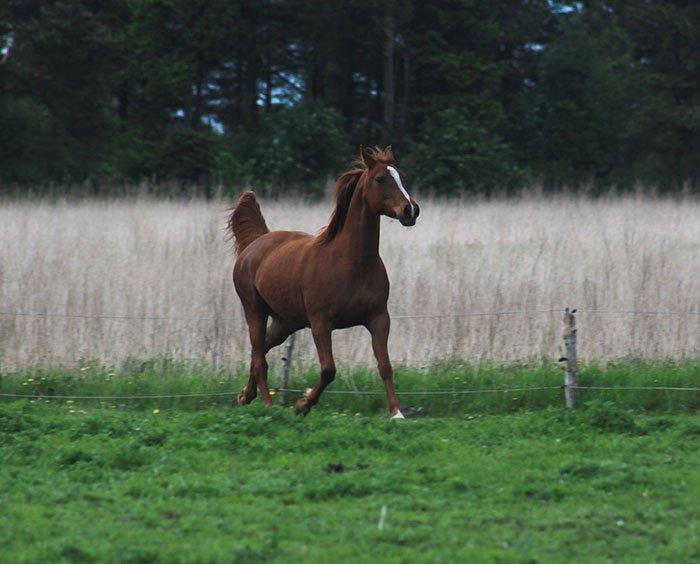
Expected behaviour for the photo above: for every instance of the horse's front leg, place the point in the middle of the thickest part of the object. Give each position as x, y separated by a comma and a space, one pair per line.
379, 329
321, 331
257, 323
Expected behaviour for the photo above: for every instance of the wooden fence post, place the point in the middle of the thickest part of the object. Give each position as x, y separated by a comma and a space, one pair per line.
287, 358
571, 369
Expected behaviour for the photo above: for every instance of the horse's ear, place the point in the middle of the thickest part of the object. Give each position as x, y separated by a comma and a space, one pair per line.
389, 153
367, 157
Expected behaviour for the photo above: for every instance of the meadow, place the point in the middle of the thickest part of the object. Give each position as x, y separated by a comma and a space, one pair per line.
448, 389
142, 278
131, 300
83, 483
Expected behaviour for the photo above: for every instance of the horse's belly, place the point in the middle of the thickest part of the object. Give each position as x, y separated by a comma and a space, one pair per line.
356, 314
284, 303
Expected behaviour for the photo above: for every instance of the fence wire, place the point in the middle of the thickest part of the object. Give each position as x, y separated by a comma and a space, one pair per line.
353, 392
115, 398
428, 392
68, 315
669, 388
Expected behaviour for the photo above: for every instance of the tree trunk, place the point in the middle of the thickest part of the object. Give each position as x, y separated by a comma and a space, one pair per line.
237, 98
402, 125
388, 82
197, 110
252, 89
268, 85
123, 104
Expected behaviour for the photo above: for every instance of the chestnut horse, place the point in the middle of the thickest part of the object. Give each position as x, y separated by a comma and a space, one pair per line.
332, 281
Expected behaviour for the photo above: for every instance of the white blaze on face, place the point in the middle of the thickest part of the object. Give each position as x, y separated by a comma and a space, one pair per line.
397, 177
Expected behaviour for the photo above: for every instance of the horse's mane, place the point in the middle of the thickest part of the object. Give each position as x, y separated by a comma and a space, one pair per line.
344, 189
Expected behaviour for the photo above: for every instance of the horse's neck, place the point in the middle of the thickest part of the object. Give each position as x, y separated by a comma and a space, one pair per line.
360, 232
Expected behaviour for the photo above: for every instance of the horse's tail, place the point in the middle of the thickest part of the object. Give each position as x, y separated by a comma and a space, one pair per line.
246, 222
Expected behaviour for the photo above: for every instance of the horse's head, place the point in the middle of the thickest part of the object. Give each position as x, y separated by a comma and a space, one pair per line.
383, 190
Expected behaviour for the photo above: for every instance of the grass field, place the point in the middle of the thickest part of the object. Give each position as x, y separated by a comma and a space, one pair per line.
449, 386
80, 483
488, 467
502, 476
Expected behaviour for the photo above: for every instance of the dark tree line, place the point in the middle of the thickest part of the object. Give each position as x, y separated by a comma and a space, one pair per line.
473, 95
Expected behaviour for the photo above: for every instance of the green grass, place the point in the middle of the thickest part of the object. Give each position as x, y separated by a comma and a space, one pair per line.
84, 483
167, 377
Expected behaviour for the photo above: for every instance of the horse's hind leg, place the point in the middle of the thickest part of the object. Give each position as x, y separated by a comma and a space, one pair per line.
257, 323
321, 331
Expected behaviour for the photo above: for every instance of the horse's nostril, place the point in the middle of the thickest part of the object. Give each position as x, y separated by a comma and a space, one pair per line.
407, 211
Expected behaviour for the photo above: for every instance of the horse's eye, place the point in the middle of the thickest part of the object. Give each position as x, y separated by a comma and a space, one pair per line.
380, 179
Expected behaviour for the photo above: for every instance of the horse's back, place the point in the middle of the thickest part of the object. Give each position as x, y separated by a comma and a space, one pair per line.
260, 250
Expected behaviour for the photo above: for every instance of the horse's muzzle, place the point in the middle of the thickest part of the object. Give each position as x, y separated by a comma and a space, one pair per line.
409, 214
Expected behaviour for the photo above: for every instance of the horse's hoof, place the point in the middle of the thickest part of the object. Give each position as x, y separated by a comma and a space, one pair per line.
398, 415
242, 399
302, 407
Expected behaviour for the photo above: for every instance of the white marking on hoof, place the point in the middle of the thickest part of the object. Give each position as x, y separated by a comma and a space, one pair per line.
398, 415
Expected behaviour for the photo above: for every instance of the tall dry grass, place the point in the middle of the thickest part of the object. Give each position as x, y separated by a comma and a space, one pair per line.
167, 262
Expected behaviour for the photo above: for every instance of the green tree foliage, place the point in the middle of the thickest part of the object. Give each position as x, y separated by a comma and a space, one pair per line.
578, 118
25, 129
297, 148
664, 134
277, 93
453, 154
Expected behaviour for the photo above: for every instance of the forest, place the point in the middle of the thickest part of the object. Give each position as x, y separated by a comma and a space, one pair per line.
474, 96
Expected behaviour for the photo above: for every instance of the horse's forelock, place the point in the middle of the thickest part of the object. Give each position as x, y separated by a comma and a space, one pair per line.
385, 156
